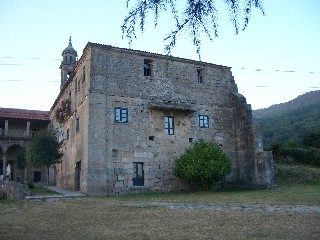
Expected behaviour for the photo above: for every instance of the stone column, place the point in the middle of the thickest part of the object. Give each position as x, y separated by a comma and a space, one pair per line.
6, 127
28, 128
4, 166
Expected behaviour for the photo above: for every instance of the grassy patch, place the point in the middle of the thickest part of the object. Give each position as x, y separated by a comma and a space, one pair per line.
297, 184
112, 218
42, 191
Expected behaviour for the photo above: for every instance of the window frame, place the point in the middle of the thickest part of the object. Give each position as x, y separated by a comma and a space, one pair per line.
169, 125
203, 121
137, 179
147, 67
77, 124
200, 75
123, 114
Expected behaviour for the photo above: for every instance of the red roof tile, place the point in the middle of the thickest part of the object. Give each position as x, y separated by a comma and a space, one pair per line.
24, 114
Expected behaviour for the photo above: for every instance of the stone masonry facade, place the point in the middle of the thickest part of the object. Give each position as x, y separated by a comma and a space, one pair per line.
125, 115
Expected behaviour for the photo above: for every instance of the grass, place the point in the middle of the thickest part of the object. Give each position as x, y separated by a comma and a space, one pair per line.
113, 218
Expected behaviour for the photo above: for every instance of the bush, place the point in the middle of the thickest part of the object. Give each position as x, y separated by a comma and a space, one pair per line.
301, 155
30, 185
204, 164
2, 195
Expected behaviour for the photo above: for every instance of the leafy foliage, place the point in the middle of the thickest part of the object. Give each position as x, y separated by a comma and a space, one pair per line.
21, 159
198, 17
43, 151
204, 164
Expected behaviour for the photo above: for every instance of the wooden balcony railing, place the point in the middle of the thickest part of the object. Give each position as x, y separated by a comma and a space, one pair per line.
17, 134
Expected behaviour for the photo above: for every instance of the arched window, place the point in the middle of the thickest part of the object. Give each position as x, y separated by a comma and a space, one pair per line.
70, 59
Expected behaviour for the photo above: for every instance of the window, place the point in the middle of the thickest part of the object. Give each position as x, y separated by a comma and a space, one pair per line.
114, 152
138, 174
121, 115
200, 75
203, 121
77, 124
84, 73
60, 135
168, 121
68, 134
78, 85
147, 67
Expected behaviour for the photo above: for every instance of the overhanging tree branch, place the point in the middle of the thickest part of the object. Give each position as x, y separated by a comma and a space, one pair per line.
198, 17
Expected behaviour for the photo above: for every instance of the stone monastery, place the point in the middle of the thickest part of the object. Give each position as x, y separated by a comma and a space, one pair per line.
123, 116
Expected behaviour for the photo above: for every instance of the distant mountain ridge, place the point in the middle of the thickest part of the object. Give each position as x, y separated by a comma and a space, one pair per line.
290, 120
306, 99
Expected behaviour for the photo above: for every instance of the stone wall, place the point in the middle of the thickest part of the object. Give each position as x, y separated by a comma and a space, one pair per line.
14, 190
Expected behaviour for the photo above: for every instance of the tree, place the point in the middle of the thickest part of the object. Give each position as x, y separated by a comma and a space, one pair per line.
311, 139
43, 151
21, 159
198, 17
204, 164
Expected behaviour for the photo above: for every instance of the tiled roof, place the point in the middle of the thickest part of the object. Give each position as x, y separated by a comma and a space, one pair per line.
24, 114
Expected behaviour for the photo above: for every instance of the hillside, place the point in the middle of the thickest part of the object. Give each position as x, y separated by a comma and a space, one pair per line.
289, 120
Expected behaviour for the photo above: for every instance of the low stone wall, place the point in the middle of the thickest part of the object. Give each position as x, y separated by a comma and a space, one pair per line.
14, 190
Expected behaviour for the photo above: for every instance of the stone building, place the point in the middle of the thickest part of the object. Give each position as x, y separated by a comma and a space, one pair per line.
124, 115
17, 128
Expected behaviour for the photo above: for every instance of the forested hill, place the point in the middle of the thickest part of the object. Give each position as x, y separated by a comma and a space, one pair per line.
290, 120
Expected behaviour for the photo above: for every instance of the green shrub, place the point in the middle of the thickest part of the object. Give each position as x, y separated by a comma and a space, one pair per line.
2, 195
30, 185
204, 164
301, 155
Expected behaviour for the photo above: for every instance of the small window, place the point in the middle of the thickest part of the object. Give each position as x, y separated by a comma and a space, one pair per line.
68, 134
78, 85
77, 124
200, 75
168, 121
147, 67
83, 73
190, 140
138, 174
121, 115
70, 59
203, 121
151, 138
114, 152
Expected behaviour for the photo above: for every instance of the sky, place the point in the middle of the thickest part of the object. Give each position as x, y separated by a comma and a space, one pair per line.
274, 60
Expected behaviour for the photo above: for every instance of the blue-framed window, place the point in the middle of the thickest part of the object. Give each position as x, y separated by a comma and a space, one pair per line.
203, 121
169, 125
121, 115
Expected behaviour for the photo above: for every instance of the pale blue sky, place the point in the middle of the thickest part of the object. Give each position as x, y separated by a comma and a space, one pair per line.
273, 61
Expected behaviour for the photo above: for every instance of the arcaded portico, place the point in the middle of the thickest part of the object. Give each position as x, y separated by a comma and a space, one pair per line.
17, 127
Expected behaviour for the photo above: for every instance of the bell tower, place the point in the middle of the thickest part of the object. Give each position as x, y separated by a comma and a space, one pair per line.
69, 61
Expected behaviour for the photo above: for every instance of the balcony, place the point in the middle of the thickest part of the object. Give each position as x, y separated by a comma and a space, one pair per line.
17, 134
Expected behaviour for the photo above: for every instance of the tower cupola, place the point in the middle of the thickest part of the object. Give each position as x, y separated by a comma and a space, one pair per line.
69, 60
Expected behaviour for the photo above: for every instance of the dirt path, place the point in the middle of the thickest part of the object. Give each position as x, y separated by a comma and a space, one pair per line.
232, 207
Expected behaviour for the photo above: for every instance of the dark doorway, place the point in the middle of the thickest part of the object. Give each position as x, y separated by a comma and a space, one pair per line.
37, 176
138, 174
77, 175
